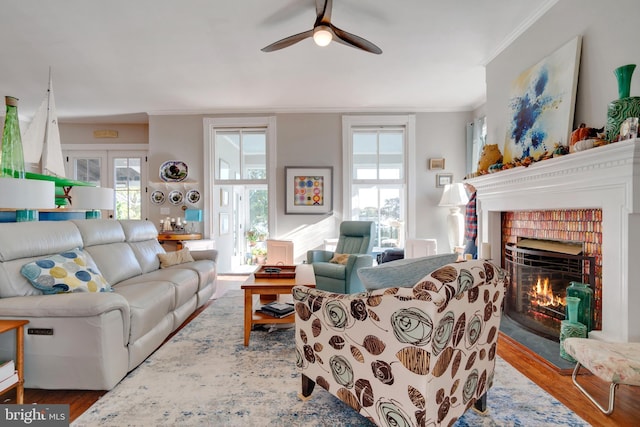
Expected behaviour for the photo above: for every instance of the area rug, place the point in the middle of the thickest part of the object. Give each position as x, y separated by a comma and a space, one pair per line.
205, 376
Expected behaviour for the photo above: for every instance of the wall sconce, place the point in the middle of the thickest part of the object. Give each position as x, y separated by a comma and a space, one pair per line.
26, 196
92, 199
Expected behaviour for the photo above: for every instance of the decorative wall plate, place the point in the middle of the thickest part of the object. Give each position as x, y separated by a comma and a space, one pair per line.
157, 197
193, 196
174, 171
175, 197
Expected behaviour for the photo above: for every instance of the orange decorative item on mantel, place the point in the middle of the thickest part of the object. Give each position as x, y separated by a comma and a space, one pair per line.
585, 137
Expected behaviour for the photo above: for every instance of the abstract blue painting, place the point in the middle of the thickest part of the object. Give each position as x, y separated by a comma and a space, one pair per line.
541, 104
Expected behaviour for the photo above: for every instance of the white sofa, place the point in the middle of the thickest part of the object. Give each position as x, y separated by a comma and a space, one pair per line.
97, 338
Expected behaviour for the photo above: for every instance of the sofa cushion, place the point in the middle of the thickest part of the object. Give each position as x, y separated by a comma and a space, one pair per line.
403, 272
173, 258
69, 271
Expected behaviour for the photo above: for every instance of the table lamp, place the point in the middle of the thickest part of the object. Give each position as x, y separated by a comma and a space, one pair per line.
26, 196
191, 216
92, 199
454, 196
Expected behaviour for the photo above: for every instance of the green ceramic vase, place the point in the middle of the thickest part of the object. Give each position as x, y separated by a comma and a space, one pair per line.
623, 74
585, 307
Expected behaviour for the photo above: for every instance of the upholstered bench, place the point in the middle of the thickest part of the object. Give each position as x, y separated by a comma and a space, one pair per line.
616, 363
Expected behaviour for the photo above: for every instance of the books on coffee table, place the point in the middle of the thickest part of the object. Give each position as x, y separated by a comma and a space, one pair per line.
277, 309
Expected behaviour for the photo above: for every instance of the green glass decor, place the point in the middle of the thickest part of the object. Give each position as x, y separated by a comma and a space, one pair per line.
624, 107
12, 158
571, 328
585, 307
572, 309
623, 74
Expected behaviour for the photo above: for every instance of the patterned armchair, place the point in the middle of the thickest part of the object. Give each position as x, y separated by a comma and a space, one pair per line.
419, 356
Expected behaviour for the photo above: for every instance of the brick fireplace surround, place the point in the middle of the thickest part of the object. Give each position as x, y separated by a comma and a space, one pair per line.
605, 178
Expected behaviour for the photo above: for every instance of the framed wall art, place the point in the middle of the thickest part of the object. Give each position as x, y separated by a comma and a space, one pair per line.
308, 190
436, 163
443, 179
541, 104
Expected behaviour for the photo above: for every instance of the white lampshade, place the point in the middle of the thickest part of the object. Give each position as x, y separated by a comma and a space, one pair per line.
16, 193
322, 35
454, 195
92, 198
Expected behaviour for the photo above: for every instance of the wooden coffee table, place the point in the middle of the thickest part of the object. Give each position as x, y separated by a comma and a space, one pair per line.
269, 286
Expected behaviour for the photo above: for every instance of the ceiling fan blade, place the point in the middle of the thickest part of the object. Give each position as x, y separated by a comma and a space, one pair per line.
352, 40
288, 41
323, 11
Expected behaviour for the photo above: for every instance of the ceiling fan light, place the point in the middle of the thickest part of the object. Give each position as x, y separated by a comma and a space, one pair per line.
322, 35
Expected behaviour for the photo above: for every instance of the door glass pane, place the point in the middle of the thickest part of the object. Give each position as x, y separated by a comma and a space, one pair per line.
127, 188
88, 170
227, 150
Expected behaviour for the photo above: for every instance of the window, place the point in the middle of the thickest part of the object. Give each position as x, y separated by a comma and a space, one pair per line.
241, 154
121, 170
376, 153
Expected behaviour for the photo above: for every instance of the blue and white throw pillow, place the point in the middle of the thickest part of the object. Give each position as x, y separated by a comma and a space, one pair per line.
65, 272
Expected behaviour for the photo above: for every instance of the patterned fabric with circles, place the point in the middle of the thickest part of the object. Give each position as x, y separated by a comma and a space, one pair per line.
405, 356
71, 271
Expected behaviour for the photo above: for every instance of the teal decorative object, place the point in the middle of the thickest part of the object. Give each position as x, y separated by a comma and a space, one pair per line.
571, 328
585, 307
626, 106
12, 158
572, 309
623, 74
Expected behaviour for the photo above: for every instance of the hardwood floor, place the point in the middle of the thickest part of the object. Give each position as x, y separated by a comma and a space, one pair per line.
559, 385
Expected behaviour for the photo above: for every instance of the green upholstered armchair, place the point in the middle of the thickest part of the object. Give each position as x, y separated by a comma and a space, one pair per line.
356, 239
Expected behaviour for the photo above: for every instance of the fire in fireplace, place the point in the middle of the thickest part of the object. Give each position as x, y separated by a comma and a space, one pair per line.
540, 272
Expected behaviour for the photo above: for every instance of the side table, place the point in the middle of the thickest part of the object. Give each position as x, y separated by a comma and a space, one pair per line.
178, 237
18, 325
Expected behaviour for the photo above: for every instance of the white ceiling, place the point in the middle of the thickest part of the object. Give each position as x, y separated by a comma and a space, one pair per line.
113, 60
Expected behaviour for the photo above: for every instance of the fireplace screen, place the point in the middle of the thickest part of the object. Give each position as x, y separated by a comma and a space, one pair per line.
537, 290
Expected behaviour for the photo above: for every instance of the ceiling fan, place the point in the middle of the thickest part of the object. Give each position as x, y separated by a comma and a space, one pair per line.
324, 31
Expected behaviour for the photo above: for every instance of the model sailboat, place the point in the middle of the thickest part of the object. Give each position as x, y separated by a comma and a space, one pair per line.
41, 146
41, 140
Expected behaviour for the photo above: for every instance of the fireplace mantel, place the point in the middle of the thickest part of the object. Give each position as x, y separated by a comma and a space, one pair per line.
606, 177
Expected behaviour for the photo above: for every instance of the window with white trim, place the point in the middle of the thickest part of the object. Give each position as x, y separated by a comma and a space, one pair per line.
376, 153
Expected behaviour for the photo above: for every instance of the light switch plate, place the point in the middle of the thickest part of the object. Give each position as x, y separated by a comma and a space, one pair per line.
165, 211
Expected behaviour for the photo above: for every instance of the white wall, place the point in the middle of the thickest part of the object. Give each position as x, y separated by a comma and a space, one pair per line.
304, 139
610, 38
315, 139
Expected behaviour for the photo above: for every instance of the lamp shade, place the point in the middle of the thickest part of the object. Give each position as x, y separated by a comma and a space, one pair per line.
193, 215
454, 195
16, 193
92, 198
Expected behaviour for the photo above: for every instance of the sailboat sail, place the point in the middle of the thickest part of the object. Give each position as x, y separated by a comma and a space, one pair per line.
41, 140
